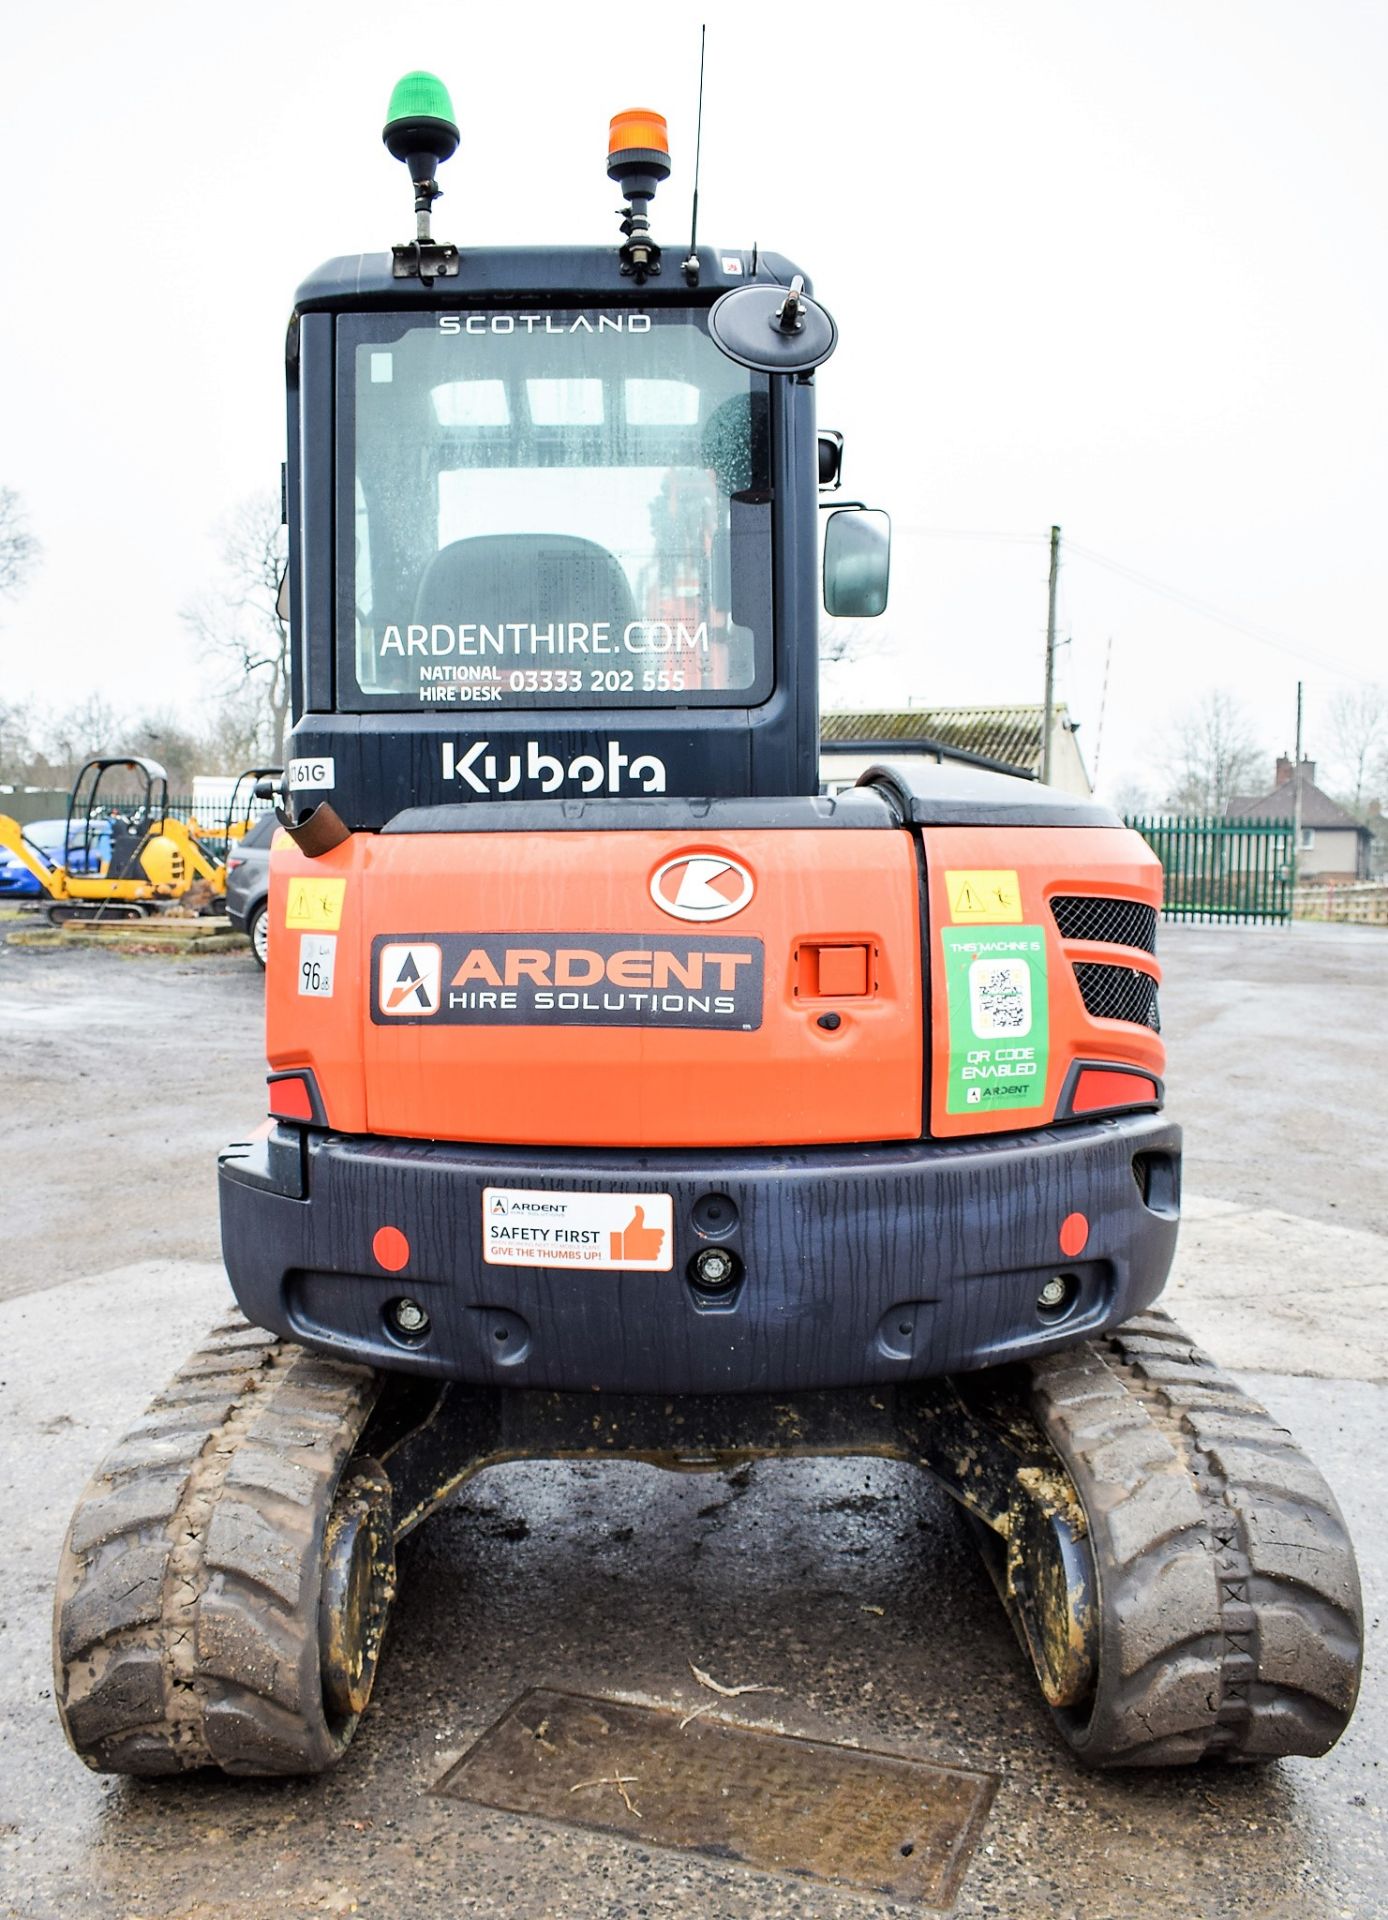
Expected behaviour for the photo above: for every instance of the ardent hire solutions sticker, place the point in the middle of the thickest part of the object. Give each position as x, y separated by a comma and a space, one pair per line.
314, 905
529, 1227
999, 1018
567, 980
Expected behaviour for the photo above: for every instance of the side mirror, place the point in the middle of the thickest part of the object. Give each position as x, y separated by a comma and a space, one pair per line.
282, 599
857, 562
830, 459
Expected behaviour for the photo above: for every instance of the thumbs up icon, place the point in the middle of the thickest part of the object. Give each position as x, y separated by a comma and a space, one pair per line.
637, 1241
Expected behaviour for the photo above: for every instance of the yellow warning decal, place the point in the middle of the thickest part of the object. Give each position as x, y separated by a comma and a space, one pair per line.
315, 906
983, 896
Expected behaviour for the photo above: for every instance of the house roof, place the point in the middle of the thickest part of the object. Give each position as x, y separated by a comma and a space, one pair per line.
1317, 808
1008, 734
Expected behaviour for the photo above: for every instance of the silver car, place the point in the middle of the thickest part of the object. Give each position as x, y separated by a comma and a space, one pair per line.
248, 885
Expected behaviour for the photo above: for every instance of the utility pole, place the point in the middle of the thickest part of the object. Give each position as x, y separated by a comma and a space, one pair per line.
1103, 709
1296, 792
1049, 706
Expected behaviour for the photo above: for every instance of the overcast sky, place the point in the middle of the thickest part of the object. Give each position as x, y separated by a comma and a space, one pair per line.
1120, 267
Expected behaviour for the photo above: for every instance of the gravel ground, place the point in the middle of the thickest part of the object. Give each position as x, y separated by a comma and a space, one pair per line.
123, 1076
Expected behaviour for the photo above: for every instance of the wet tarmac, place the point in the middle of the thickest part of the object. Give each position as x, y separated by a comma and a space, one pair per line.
851, 1587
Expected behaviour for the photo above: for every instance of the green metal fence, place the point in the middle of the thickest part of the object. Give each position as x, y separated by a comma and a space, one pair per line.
1219, 869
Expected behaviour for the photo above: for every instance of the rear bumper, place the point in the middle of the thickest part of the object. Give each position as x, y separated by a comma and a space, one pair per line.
856, 1264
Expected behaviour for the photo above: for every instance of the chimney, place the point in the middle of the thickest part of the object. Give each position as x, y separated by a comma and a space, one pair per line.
1306, 773
1284, 770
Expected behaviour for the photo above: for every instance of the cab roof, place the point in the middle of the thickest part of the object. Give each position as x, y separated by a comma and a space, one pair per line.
554, 276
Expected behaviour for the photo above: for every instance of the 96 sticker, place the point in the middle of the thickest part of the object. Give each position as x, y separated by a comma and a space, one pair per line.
317, 954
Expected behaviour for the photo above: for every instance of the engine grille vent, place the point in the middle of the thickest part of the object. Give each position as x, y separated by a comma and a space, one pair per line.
1118, 993
1123, 923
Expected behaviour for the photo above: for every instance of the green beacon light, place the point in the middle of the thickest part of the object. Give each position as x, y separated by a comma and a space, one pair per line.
421, 131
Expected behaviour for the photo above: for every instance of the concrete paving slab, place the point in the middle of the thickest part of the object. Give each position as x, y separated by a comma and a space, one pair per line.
1283, 1293
121, 1077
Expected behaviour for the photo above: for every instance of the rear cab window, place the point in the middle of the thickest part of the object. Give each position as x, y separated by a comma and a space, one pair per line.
564, 509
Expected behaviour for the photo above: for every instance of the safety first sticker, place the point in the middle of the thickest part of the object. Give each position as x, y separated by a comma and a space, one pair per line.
981, 895
999, 1018
314, 905
530, 1227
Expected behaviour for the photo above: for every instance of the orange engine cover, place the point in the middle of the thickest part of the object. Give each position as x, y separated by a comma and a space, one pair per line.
528, 989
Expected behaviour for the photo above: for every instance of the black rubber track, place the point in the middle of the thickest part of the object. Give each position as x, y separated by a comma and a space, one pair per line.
186, 1622
1230, 1619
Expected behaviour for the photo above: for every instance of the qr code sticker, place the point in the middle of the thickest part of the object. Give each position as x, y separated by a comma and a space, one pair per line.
1000, 999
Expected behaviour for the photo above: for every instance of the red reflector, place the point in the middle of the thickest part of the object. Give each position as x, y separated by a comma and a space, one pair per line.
391, 1248
1095, 1089
290, 1099
1073, 1236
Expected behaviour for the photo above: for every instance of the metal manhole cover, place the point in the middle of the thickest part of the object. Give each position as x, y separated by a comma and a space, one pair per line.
839, 1814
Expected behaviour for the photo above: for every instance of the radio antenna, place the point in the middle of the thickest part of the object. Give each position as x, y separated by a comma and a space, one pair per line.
691, 265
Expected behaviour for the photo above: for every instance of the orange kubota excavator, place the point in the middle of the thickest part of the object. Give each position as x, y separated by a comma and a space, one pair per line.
630, 1097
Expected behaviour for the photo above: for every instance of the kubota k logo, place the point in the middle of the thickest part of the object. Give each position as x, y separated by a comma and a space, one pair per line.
701, 886
411, 979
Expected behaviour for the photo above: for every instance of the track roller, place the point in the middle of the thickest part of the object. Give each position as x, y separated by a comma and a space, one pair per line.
226, 1578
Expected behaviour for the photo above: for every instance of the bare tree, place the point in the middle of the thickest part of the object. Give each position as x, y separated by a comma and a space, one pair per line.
239, 621
843, 641
1210, 755
47, 749
88, 731
234, 734
17, 748
843, 644
19, 549
1131, 797
179, 748
1359, 733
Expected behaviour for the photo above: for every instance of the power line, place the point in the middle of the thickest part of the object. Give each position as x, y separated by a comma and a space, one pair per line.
972, 533
1206, 612
1176, 595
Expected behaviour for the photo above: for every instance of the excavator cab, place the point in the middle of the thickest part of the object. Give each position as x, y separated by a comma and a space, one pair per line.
554, 518
248, 788
131, 798
627, 1097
